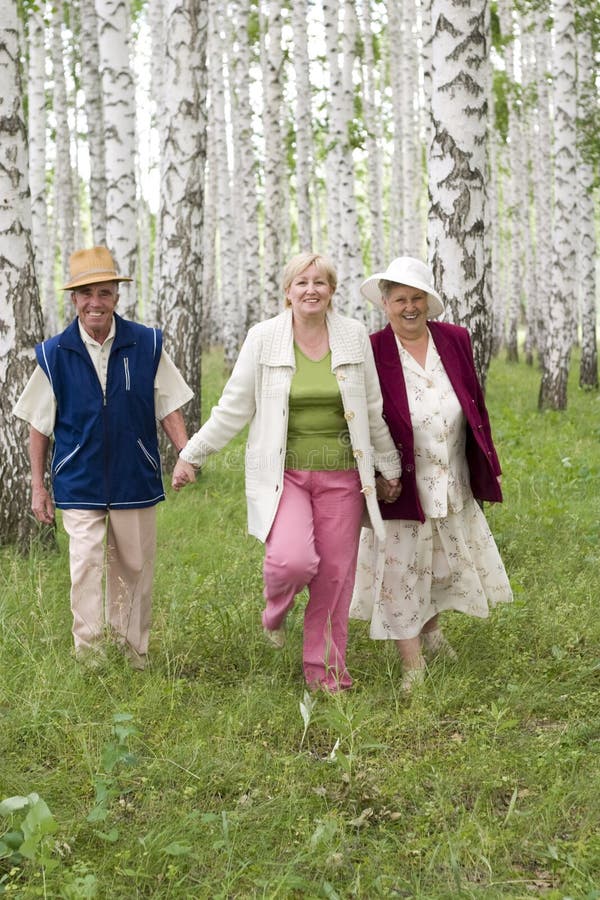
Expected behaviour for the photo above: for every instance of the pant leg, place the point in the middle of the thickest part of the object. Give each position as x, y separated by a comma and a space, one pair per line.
86, 529
130, 553
291, 560
337, 511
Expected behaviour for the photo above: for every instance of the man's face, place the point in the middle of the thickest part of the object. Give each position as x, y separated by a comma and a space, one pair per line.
94, 306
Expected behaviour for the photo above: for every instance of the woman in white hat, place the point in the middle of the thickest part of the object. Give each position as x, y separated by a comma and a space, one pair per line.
438, 552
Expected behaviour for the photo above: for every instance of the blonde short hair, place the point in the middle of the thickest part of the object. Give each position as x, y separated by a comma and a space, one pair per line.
302, 261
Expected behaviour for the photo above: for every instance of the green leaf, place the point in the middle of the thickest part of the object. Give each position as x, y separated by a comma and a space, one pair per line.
177, 849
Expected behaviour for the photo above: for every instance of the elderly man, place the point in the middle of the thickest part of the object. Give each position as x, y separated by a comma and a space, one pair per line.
98, 389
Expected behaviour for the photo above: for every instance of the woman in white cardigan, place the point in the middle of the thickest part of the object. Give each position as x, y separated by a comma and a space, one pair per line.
307, 384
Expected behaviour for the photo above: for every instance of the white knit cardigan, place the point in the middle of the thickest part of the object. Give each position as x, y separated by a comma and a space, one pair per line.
258, 393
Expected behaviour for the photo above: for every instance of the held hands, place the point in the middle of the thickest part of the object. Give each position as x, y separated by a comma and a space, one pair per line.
183, 473
388, 490
42, 505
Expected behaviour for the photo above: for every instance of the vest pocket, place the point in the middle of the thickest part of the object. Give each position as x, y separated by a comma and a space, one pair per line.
65, 459
148, 455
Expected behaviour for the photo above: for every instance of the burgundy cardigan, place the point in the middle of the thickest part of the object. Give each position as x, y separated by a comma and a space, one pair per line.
454, 347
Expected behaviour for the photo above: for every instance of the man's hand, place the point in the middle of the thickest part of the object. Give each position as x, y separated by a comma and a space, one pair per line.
388, 490
42, 505
183, 473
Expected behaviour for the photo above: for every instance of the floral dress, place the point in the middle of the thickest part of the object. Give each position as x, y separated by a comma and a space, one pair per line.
450, 561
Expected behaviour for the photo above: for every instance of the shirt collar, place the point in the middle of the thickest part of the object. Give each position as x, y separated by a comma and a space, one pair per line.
88, 339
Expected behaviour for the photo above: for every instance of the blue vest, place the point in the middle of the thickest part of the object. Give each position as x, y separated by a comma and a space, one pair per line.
105, 446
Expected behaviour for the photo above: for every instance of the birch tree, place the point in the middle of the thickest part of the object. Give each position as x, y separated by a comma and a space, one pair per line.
275, 170
119, 124
557, 353
373, 141
233, 316
182, 190
457, 167
245, 170
303, 123
37, 161
94, 113
20, 310
65, 205
515, 187
586, 101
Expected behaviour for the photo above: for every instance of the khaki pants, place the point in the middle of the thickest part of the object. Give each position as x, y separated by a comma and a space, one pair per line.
129, 561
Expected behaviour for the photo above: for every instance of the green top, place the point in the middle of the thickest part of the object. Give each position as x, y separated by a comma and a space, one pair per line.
318, 436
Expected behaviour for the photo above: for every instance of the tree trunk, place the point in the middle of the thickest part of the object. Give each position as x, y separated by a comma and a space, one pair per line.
119, 126
559, 312
457, 167
182, 191
37, 162
94, 113
245, 168
303, 121
21, 310
588, 368
63, 172
275, 173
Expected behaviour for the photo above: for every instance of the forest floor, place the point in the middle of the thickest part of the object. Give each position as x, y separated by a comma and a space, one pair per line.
213, 775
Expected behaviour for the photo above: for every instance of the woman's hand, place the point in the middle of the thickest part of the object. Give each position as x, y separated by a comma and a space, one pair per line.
183, 473
388, 489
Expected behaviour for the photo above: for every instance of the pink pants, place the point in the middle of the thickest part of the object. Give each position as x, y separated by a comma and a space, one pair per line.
127, 561
314, 542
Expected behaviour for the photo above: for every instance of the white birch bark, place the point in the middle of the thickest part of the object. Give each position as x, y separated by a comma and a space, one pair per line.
414, 231
233, 314
157, 25
94, 113
351, 277
275, 170
496, 282
120, 147
20, 309
395, 52
586, 266
211, 307
513, 188
457, 167
530, 161
303, 122
36, 83
334, 131
559, 311
245, 172
65, 210
542, 184
374, 142
182, 191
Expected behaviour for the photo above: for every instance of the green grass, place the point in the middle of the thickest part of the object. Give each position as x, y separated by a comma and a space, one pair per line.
200, 778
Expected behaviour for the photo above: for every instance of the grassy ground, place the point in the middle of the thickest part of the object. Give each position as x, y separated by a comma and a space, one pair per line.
204, 778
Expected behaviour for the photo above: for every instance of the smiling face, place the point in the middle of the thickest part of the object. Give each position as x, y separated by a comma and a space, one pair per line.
309, 293
406, 309
94, 306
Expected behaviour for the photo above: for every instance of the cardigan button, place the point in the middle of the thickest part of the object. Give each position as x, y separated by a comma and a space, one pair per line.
358, 454
349, 416
409, 467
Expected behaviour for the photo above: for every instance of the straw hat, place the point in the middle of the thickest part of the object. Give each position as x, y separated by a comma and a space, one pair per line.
91, 267
411, 272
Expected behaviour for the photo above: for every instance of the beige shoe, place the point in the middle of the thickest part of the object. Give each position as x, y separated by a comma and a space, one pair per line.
412, 677
276, 637
435, 644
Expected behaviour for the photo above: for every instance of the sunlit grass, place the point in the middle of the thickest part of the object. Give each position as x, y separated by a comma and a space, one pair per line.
484, 784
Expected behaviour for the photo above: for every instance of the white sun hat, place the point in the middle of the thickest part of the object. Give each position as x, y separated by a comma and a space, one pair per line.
411, 272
